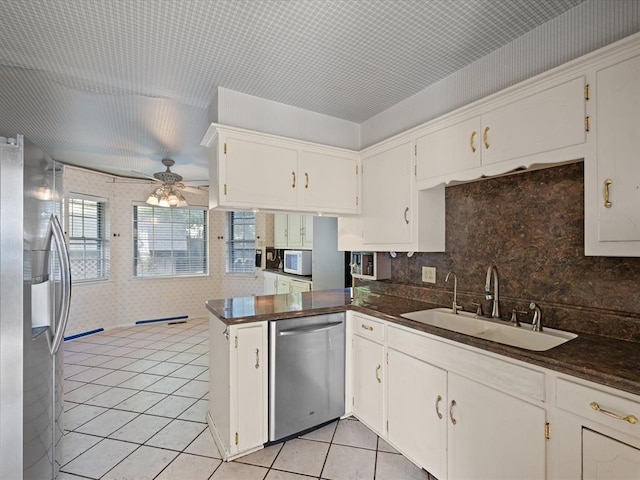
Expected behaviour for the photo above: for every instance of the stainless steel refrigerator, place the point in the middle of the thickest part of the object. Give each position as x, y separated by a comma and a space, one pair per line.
35, 295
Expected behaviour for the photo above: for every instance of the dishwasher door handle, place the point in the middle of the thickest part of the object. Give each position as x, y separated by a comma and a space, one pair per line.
309, 329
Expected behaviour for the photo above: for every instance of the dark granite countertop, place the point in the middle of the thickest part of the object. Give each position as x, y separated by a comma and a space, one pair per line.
608, 361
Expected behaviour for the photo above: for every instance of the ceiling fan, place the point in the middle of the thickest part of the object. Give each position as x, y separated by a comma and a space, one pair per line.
168, 193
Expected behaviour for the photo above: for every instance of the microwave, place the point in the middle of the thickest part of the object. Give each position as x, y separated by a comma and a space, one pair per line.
297, 261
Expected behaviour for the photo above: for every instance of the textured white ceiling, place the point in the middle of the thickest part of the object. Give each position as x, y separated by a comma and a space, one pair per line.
117, 85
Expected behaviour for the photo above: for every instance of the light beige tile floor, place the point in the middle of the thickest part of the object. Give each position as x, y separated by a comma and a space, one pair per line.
135, 408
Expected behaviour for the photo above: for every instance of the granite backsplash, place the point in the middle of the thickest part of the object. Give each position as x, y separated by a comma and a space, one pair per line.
531, 226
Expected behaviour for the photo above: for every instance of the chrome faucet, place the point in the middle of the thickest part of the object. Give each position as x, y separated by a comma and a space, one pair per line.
455, 291
495, 309
536, 323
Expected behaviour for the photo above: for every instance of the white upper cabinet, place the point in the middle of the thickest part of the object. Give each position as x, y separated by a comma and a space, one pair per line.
391, 205
548, 120
293, 231
449, 149
250, 170
387, 187
257, 172
507, 132
612, 185
328, 181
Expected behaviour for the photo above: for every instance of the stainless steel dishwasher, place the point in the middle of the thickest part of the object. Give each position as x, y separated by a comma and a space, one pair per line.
306, 373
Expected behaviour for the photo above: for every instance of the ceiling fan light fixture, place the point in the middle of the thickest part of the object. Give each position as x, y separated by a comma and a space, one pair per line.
153, 199
164, 201
181, 201
172, 198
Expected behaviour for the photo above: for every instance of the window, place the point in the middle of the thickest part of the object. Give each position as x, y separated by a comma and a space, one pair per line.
169, 242
241, 243
88, 238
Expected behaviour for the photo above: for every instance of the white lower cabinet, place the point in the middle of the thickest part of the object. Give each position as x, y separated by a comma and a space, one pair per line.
299, 286
270, 283
368, 378
417, 411
416, 392
237, 413
282, 284
606, 458
493, 435
600, 428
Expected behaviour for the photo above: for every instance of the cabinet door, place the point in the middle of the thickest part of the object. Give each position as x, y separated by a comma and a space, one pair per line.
368, 375
283, 284
328, 182
296, 286
494, 435
270, 283
618, 117
280, 226
258, 173
387, 186
544, 121
294, 231
417, 411
250, 384
606, 458
307, 232
449, 150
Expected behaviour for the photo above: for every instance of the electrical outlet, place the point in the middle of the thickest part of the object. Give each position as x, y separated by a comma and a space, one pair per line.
429, 274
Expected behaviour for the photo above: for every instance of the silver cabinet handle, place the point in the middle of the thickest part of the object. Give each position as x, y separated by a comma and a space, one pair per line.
626, 418
377, 371
453, 404
257, 358
293, 184
406, 212
438, 400
65, 285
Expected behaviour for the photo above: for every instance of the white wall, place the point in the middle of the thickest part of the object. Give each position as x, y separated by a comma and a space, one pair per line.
124, 299
254, 113
580, 30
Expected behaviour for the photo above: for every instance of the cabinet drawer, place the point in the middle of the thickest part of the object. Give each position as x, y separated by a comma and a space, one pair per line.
585, 401
502, 374
368, 328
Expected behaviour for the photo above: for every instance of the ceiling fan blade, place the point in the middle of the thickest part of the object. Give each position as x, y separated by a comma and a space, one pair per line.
146, 176
197, 190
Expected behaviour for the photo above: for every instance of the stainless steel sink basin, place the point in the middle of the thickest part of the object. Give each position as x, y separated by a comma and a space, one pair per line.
491, 329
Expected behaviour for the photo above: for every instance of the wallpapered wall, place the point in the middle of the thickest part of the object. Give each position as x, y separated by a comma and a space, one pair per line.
531, 226
124, 299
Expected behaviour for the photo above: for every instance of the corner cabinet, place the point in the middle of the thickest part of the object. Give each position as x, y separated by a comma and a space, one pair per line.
599, 428
253, 170
237, 413
392, 206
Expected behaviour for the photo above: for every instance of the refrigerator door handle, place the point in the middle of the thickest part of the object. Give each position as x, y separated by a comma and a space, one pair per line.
65, 288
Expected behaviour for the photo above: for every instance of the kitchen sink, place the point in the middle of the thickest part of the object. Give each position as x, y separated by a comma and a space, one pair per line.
492, 329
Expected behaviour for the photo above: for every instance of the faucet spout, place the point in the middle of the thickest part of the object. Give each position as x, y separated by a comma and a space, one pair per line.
455, 291
536, 323
492, 274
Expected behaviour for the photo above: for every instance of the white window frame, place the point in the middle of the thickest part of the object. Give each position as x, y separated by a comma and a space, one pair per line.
170, 252
101, 242
235, 265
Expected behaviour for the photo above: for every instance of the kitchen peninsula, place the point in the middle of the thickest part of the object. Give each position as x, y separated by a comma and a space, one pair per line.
396, 369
